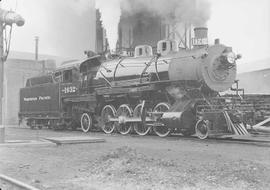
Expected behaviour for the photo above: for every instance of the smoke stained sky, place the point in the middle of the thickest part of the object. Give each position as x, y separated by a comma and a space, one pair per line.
110, 15
65, 30
65, 27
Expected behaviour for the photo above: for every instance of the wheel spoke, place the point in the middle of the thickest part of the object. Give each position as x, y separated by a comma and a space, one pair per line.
202, 129
108, 112
86, 122
140, 128
124, 111
163, 130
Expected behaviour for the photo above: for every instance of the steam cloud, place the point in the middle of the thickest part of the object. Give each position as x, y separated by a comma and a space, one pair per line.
110, 16
195, 12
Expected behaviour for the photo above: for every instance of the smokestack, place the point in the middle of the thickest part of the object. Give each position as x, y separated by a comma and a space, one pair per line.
200, 37
36, 47
217, 41
200, 32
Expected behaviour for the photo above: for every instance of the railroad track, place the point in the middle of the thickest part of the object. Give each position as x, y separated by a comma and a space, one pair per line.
8, 183
250, 141
258, 140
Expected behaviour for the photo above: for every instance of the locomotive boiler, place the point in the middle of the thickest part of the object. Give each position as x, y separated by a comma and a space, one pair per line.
168, 86
148, 93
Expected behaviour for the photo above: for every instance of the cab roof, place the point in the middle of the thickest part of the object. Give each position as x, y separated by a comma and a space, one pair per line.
76, 63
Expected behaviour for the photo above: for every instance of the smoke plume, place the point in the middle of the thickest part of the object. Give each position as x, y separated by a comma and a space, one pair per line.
110, 16
195, 12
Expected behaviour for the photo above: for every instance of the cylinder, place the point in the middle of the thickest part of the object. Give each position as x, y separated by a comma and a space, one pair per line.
184, 120
172, 119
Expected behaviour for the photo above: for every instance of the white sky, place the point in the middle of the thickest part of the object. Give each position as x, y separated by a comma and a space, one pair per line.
241, 24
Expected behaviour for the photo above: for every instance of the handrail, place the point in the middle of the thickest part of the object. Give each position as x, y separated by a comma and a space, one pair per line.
146, 67
119, 63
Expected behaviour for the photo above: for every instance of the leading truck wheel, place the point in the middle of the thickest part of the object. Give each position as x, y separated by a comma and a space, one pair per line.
124, 111
140, 128
107, 113
202, 129
86, 122
161, 131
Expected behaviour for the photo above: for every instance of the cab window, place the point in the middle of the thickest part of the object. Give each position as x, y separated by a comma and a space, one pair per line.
67, 76
58, 77
28, 83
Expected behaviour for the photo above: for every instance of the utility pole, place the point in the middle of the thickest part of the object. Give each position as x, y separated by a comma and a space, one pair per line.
6, 18
2, 129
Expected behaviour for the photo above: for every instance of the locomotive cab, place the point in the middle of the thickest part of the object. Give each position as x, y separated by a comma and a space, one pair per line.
68, 72
88, 70
68, 75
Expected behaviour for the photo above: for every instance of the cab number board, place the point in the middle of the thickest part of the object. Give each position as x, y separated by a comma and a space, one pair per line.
69, 89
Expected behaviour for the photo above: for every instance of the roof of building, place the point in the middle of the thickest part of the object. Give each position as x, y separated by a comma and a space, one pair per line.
254, 66
31, 56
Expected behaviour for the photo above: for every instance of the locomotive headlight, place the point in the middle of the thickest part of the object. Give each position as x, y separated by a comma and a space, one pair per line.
231, 57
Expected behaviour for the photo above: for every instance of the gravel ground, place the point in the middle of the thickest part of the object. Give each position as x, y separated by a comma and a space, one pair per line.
7, 186
132, 162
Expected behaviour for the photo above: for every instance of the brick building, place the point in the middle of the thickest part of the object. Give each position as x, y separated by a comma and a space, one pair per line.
18, 68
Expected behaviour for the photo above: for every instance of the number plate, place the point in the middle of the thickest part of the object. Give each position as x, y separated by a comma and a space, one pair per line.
69, 89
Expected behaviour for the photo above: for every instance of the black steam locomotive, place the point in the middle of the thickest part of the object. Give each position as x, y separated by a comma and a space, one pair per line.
175, 90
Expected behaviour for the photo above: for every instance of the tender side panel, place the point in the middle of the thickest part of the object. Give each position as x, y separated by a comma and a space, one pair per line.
40, 99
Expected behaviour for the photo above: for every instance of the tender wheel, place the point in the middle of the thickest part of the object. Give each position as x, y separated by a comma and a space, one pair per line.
32, 124
140, 128
50, 124
86, 122
202, 129
124, 111
107, 113
161, 131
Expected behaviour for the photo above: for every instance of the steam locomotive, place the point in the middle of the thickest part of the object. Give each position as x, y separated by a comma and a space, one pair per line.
174, 90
